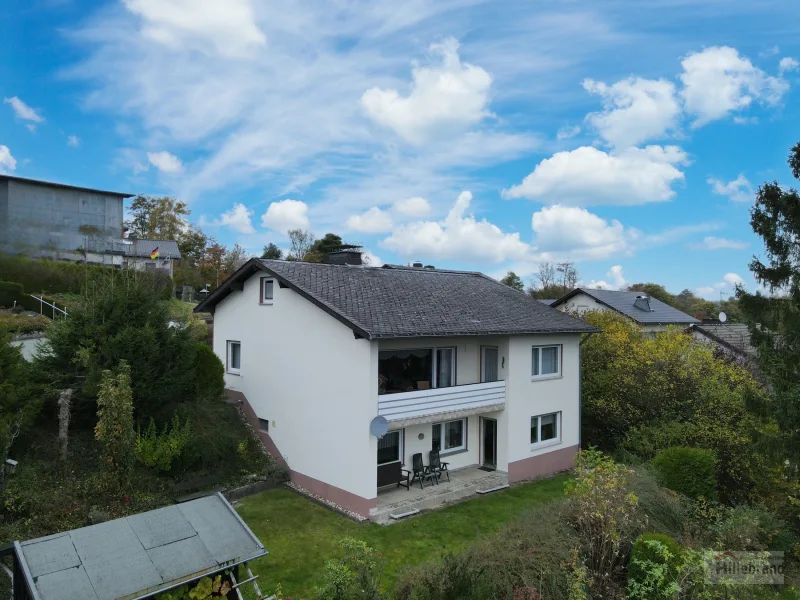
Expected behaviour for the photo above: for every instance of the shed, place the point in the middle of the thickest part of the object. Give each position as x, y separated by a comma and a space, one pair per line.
135, 557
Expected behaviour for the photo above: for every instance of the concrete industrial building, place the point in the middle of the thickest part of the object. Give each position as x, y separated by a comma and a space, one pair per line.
63, 222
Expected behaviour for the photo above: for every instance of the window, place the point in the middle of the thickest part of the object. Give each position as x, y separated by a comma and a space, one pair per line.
445, 367
489, 364
389, 448
234, 357
263, 424
450, 436
546, 428
267, 287
546, 361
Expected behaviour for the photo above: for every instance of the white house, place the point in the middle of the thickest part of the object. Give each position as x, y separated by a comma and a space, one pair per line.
650, 313
152, 255
453, 360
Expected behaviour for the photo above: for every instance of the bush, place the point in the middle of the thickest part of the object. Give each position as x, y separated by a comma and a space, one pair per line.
208, 373
749, 528
159, 450
44, 275
17, 323
655, 568
666, 511
688, 471
114, 429
356, 576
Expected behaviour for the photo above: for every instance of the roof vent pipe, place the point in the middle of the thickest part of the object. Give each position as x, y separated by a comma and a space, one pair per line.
643, 303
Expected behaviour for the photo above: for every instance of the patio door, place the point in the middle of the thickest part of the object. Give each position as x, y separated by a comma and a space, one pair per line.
489, 442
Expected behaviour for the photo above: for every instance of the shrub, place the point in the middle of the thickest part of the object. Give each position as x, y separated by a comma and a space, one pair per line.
655, 568
159, 450
606, 516
666, 511
114, 429
688, 471
356, 576
749, 528
18, 323
208, 373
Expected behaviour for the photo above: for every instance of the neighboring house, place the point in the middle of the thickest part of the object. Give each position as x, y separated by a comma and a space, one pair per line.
63, 222
731, 338
653, 315
152, 255
454, 360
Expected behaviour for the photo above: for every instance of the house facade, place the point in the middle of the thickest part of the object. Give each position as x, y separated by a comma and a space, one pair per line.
649, 313
62, 222
454, 361
156, 256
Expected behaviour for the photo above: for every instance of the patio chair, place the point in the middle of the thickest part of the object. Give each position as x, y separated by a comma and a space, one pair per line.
421, 472
438, 467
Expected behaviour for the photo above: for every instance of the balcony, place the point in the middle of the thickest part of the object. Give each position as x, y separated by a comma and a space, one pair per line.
422, 406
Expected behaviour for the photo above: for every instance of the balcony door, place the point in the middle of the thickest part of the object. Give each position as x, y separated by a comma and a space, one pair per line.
489, 367
489, 458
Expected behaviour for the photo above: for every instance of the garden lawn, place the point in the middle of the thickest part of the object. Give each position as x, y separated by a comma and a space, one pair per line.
301, 535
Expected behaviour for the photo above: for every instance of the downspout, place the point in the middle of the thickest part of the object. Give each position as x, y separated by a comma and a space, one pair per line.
580, 389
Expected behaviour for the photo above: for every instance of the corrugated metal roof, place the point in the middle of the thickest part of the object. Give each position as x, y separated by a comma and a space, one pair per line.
143, 248
140, 555
397, 302
660, 313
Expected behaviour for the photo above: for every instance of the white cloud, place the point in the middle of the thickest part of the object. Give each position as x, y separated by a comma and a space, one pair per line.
568, 132
23, 111
371, 259
73, 141
238, 219
460, 236
718, 81
447, 96
787, 64
577, 234
372, 221
717, 243
617, 280
7, 162
412, 207
588, 176
285, 215
745, 120
634, 110
724, 288
165, 162
738, 190
228, 28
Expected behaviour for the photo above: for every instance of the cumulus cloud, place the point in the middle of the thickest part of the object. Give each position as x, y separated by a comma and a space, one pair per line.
238, 219
7, 162
73, 141
165, 162
372, 221
787, 63
459, 236
718, 81
23, 111
568, 132
412, 207
588, 176
450, 95
634, 110
738, 190
717, 243
726, 287
226, 28
285, 215
577, 234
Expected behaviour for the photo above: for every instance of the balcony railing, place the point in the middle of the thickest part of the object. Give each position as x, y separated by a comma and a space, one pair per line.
464, 399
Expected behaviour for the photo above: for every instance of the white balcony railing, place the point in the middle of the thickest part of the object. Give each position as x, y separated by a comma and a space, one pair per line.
462, 399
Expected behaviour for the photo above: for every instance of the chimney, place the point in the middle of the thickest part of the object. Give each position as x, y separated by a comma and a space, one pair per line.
643, 303
431, 267
416, 264
350, 256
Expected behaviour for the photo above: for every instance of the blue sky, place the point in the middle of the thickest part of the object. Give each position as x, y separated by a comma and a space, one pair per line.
464, 134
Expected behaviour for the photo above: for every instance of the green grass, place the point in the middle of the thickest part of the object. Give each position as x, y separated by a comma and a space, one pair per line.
301, 535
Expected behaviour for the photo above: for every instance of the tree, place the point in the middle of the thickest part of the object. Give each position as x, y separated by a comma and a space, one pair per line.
546, 274
271, 251
568, 275
774, 321
300, 243
114, 429
19, 397
212, 265
162, 218
512, 280
654, 290
234, 258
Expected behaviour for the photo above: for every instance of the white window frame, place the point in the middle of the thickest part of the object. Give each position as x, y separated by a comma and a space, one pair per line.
560, 353
399, 459
551, 442
444, 451
263, 296
229, 356
435, 377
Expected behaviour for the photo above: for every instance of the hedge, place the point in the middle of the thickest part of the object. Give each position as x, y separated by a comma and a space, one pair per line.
12, 292
688, 471
43, 275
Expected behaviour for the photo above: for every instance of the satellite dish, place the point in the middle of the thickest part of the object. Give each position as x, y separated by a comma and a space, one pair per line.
379, 426
723, 317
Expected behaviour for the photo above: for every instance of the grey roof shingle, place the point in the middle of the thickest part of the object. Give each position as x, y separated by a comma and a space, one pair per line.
395, 302
143, 248
660, 312
734, 335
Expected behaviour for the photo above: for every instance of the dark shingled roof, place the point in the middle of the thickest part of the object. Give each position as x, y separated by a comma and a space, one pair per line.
394, 302
143, 248
735, 336
660, 313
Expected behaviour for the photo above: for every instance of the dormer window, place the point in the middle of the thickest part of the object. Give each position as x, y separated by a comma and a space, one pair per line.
267, 290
